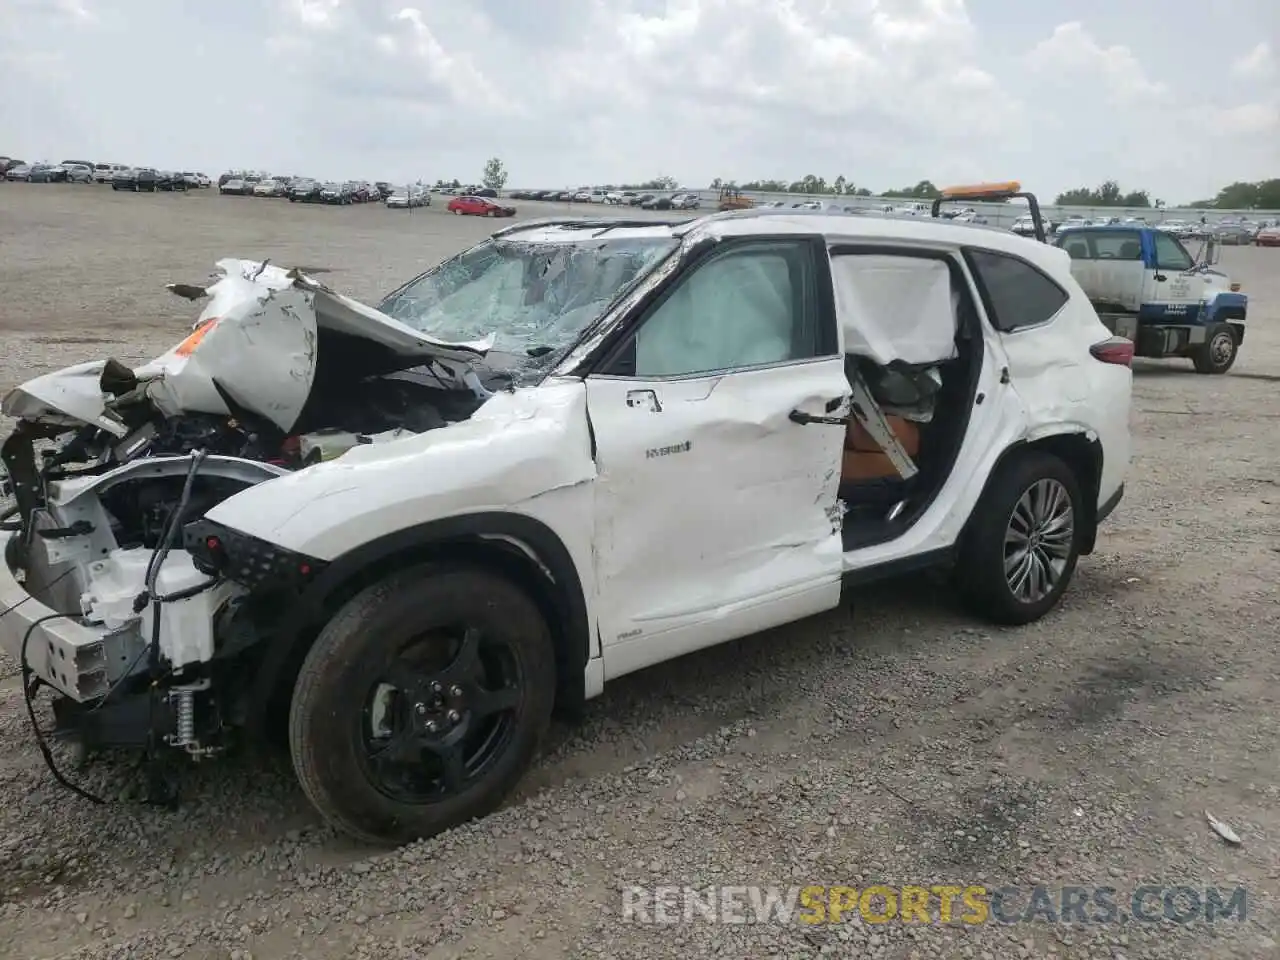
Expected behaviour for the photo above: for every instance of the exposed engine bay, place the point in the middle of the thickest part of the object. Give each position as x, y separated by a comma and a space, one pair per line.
108, 464
278, 370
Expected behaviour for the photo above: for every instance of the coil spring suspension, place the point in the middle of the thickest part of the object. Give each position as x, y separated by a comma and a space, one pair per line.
186, 722
183, 700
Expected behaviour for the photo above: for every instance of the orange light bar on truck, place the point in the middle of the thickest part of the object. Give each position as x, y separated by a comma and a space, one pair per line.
975, 191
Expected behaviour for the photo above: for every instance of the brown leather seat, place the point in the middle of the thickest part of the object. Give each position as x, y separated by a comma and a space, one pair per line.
863, 457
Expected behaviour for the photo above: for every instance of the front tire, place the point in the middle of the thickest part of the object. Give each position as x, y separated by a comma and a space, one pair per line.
1024, 540
422, 703
1218, 352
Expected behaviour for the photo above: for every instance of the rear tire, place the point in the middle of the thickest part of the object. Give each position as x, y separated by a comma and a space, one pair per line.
1218, 352
1023, 542
392, 784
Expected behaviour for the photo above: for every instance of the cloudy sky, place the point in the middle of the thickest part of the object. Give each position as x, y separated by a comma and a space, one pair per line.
1175, 96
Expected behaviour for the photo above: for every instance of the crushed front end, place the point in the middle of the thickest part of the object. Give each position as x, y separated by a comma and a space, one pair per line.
144, 635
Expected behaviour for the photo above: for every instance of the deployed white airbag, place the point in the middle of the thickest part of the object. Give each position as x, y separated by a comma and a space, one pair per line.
895, 308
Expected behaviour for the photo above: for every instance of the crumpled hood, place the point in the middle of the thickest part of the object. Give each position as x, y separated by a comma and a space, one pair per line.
264, 338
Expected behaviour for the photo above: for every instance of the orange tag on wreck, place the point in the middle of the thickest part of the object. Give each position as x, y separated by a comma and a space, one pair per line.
188, 346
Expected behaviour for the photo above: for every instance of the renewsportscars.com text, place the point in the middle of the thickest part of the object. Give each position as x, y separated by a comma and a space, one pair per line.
933, 904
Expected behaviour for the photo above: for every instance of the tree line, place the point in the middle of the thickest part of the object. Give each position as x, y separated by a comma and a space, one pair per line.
1242, 195
841, 186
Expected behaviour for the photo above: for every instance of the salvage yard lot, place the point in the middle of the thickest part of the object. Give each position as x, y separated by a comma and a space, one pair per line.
894, 741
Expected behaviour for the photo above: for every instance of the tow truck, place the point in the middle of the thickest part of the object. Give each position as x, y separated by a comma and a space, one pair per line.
1148, 288
1143, 282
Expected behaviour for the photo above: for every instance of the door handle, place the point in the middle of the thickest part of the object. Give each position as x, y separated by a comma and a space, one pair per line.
799, 416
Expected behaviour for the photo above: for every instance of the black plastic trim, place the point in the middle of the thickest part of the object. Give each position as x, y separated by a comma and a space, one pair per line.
941, 557
312, 605
1110, 505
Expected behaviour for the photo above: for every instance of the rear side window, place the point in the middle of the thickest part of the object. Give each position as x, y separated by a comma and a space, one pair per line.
1014, 293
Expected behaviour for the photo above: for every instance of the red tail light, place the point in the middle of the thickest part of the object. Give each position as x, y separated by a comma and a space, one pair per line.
1117, 350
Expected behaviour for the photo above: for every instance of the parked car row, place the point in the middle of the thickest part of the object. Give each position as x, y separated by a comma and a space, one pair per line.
302, 189
1230, 231
67, 172
149, 180
119, 175
681, 200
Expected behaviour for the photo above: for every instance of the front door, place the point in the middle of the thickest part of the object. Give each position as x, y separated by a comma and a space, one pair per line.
1177, 294
716, 492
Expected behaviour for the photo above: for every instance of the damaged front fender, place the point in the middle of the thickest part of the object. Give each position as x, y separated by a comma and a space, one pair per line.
520, 453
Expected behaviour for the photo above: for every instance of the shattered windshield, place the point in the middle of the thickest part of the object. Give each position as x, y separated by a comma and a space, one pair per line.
534, 297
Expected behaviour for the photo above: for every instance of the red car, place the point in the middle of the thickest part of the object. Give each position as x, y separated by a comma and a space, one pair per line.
1268, 237
479, 207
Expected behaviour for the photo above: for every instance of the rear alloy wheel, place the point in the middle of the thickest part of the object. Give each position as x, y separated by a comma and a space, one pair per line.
457, 212
1023, 542
422, 703
1218, 352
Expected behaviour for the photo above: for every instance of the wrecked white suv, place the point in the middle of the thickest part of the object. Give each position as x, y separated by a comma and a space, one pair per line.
405, 534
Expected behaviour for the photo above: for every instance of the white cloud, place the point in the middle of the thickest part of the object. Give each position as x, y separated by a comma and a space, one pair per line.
75, 10
1257, 64
316, 13
1073, 54
884, 92
1251, 120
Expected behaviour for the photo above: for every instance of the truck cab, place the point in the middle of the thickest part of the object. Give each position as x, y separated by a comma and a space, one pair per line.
1148, 288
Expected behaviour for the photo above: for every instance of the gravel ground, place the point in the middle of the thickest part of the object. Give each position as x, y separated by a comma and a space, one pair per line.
891, 741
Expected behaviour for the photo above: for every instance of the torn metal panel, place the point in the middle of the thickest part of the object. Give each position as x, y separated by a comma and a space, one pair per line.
68, 397
258, 338
895, 309
261, 349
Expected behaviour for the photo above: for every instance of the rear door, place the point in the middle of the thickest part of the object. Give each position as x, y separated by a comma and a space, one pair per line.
716, 500
1045, 363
